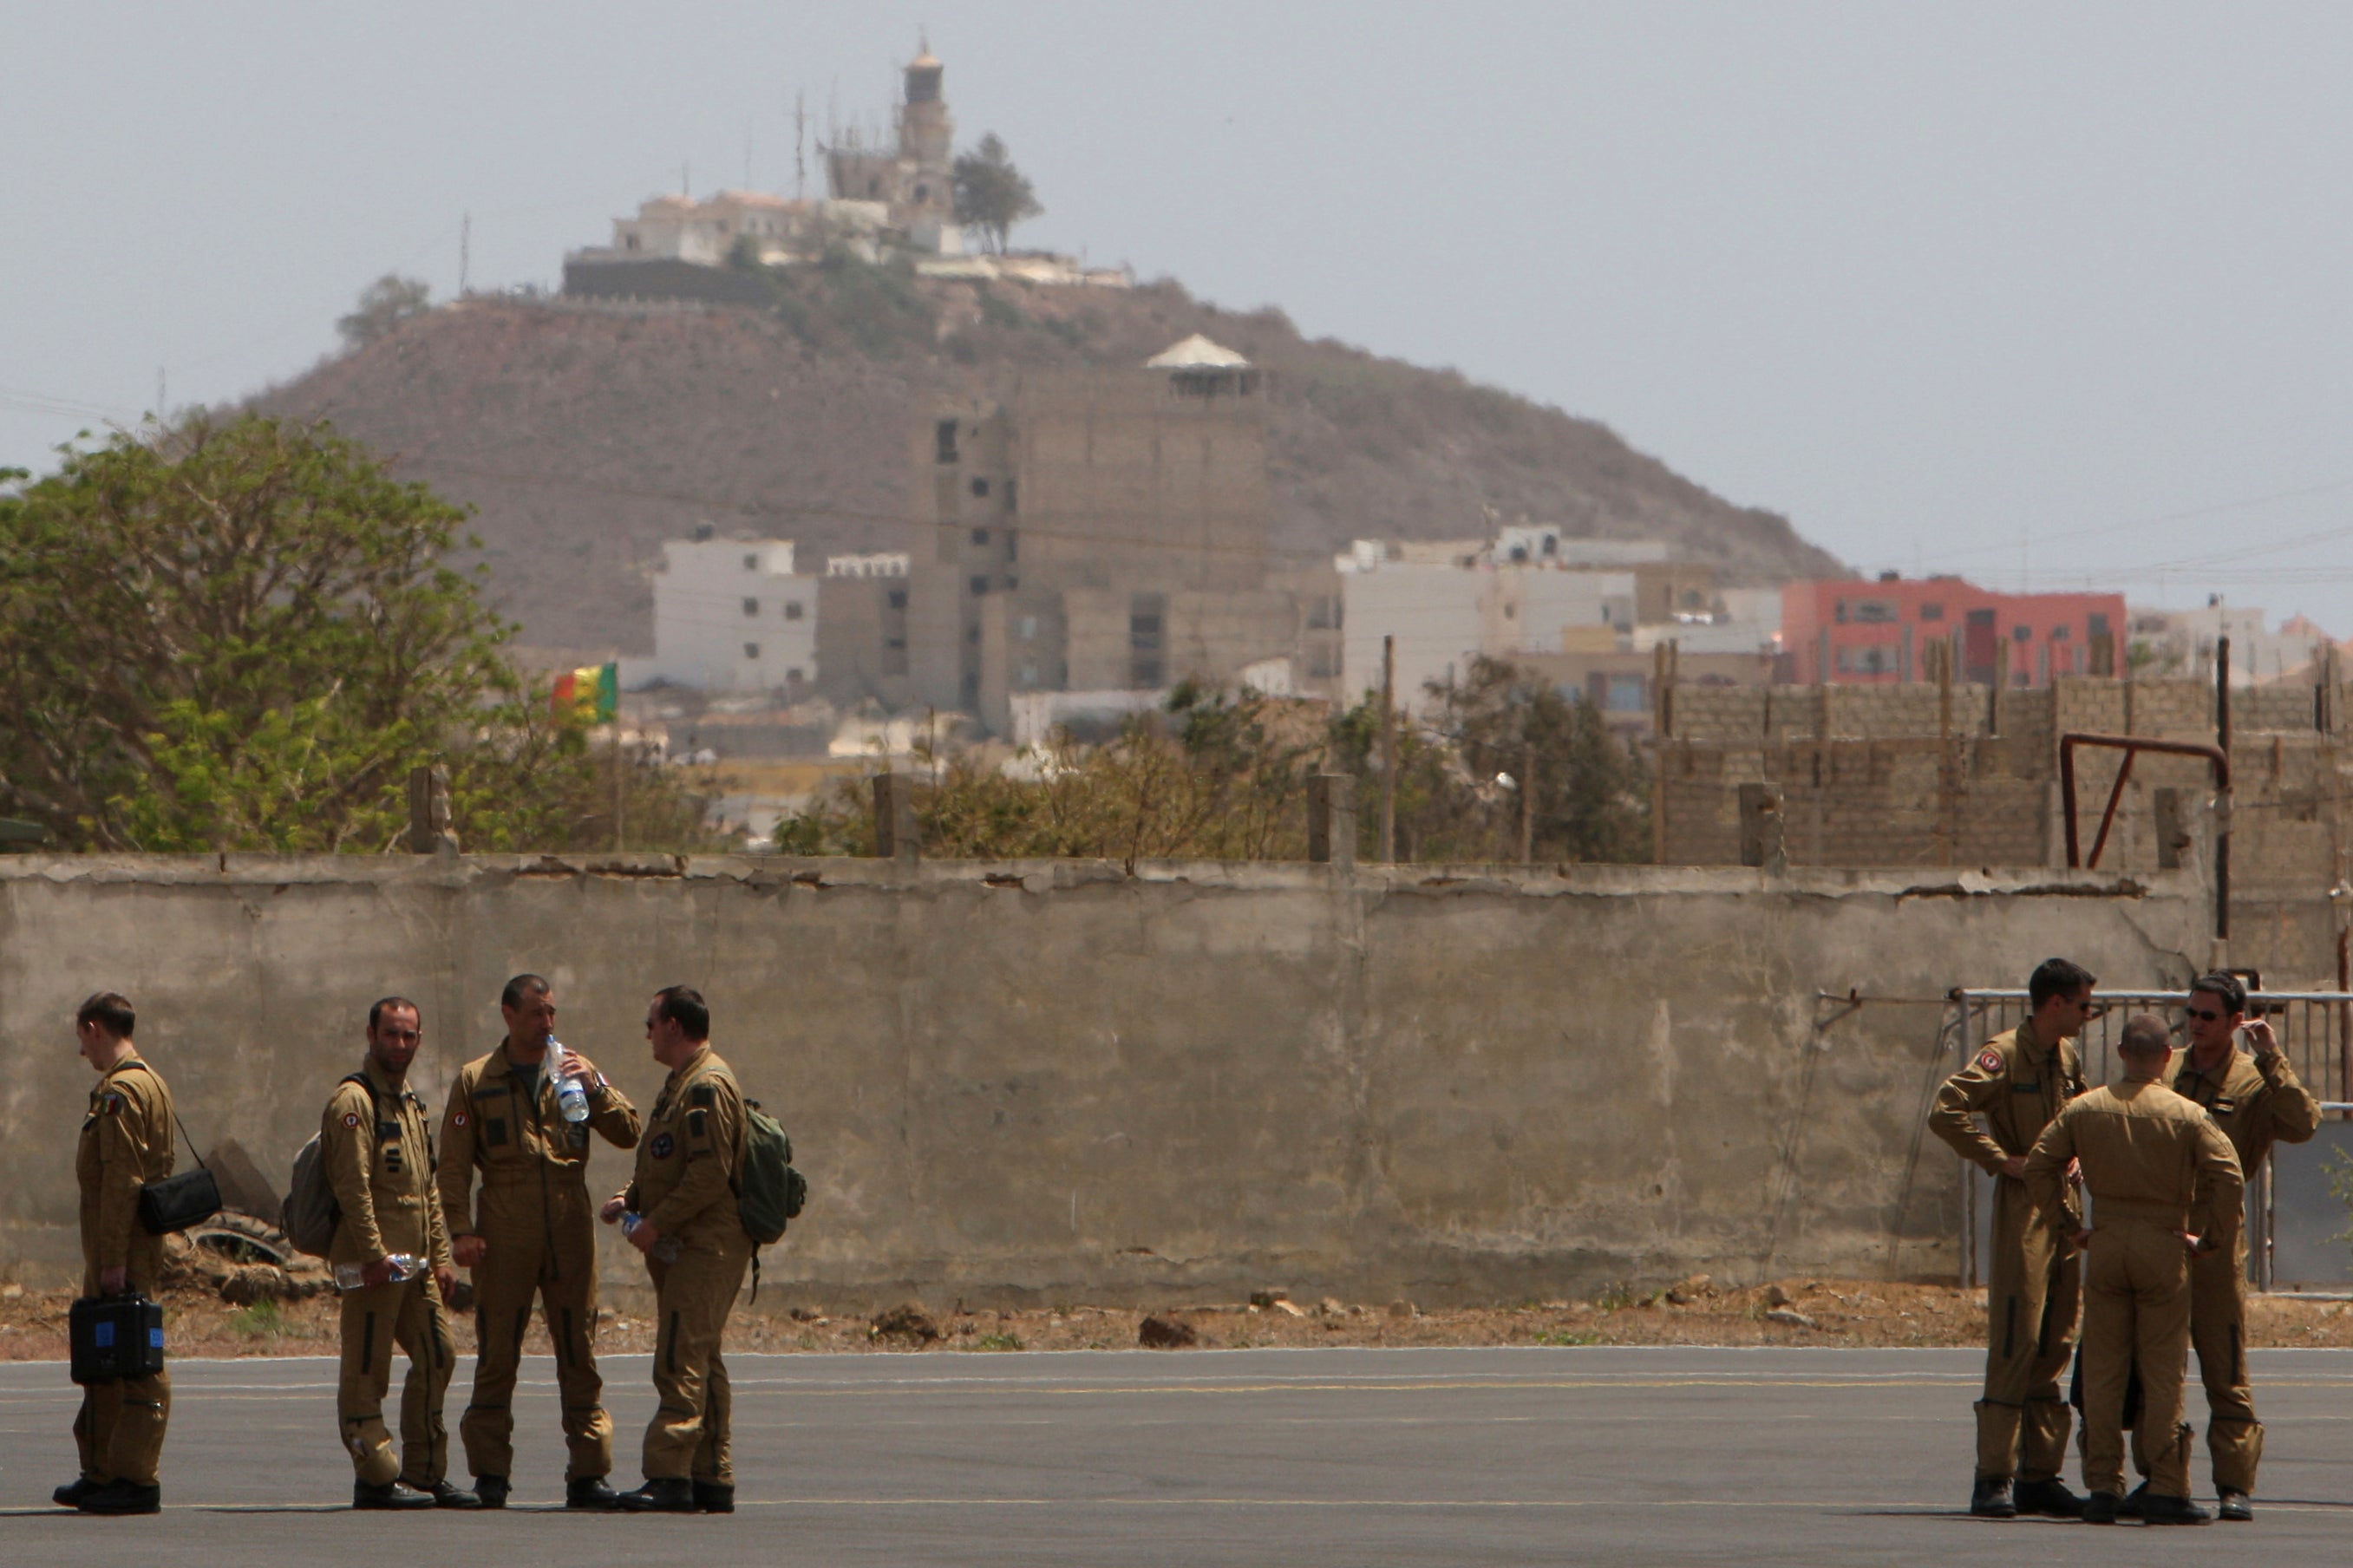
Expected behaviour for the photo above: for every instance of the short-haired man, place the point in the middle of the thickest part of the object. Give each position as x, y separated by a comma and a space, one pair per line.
691, 1233
2256, 1100
126, 1142
534, 1234
2018, 1081
375, 1146
2165, 1187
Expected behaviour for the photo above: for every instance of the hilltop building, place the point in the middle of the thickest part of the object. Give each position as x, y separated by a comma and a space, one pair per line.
879, 201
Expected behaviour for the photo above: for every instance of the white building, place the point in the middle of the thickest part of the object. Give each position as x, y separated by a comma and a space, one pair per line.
730, 616
2183, 643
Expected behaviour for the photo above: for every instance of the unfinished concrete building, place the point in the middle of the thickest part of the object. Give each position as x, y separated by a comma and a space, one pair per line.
1101, 531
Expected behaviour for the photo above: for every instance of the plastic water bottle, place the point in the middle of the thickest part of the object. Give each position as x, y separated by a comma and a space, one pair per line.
666, 1250
348, 1276
570, 1098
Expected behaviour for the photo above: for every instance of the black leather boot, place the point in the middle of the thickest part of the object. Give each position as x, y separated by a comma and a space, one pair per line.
388, 1494
491, 1490
715, 1497
2050, 1497
447, 1493
671, 1494
123, 1497
590, 1492
1992, 1499
2157, 1509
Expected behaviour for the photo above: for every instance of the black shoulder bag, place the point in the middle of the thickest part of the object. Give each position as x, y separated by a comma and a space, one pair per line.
178, 1202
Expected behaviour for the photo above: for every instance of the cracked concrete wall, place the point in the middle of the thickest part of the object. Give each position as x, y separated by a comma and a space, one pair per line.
1053, 1082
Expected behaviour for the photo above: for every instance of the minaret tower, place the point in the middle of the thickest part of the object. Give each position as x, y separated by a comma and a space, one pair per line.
926, 151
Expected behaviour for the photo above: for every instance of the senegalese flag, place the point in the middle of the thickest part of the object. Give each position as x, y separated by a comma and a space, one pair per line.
589, 695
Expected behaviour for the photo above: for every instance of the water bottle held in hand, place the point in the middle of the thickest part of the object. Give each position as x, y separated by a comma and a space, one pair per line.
665, 1250
570, 1098
351, 1276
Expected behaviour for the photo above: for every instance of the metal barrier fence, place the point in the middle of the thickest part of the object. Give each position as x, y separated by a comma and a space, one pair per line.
2296, 1224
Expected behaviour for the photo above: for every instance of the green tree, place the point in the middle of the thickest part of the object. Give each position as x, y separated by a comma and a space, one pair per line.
1499, 730
383, 305
991, 194
241, 635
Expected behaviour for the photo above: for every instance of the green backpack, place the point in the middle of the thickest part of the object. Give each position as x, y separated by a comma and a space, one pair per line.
768, 1192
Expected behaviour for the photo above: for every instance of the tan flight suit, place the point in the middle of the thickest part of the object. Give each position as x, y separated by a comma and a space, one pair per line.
379, 1159
2155, 1164
540, 1231
685, 1184
2034, 1287
126, 1142
2256, 1101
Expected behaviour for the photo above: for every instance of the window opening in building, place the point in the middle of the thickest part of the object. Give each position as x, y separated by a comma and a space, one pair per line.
791, 609
2022, 634
2061, 634
793, 675
979, 585
751, 562
751, 650
1932, 612
980, 489
1871, 611
897, 599
980, 536
946, 437
751, 606
1012, 546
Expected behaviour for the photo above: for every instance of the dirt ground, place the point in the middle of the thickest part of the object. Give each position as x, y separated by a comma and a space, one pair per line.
1798, 1311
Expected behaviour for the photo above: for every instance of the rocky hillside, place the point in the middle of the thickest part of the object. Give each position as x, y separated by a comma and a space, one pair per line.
586, 434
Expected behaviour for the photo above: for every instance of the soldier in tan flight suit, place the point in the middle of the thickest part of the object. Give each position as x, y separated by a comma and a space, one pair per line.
692, 1236
2256, 1100
376, 1150
2157, 1166
126, 1142
2017, 1082
536, 1236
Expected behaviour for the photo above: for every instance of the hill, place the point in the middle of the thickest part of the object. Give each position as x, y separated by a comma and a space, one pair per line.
585, 434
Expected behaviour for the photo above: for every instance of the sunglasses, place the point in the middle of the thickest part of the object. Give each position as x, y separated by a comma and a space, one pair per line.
2204, 1013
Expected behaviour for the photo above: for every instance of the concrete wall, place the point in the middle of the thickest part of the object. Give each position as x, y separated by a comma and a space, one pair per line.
1048, 1081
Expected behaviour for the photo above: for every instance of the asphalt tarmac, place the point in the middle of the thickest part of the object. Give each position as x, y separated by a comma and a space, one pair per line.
1293, 1458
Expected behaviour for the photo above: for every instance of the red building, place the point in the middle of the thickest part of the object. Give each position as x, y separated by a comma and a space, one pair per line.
1873, 633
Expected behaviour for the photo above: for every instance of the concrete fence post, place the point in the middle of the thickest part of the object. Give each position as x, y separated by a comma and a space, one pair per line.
1332, 820
1763, 842
428, 811
897, 835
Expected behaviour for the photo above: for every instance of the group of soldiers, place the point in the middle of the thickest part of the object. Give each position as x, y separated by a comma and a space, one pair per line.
525, 1232
2157, 1266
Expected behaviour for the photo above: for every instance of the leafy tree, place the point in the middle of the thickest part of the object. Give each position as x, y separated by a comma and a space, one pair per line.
1500, 723
991, 194
383, 305
241, 635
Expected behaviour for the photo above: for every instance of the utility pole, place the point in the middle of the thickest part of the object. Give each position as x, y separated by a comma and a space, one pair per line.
162, 402
1527, 799
1389, 749
465, 252
800, 130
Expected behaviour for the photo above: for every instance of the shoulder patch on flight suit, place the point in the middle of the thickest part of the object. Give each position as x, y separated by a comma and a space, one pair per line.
110, 1104
703, 1095
458, 1118
351, 1119
696, 1122
662, 1146
1988, 1060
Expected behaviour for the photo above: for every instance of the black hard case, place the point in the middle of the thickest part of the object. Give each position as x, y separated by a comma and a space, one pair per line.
114, 1337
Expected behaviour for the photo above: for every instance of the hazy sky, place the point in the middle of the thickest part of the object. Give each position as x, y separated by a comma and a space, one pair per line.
2046, 293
